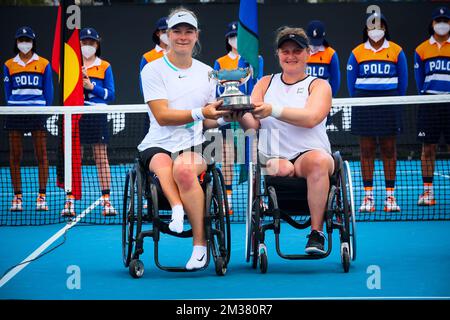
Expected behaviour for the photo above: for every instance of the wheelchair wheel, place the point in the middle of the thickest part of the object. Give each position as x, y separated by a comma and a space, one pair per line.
262, 257
249, 214
136, 268
218, 209
256, 221
128, 217
351, 207
221, 266
345, 257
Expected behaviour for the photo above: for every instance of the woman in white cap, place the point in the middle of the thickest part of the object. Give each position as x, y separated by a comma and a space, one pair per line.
182, 102
293, 106
28, 82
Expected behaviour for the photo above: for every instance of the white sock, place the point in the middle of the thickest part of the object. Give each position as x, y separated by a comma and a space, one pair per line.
177, 222
389, 193
428, 189
198, 258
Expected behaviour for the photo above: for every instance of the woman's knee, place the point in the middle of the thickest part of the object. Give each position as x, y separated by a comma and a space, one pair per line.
184, 175
280, 168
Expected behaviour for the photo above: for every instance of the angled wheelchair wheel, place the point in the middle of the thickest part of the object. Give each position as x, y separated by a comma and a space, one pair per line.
351, 209
128, 219
256, 221
218, 209
249, 214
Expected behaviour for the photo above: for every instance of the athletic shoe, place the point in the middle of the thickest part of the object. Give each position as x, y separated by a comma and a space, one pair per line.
41, 204
426, 199
69, 208
108, 209
316, 241
16, 204
368, 204
390, 204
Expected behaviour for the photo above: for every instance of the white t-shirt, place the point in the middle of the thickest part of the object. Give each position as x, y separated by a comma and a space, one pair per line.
281, 139
185, 89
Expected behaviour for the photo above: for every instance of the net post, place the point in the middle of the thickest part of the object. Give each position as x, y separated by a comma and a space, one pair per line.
68, 151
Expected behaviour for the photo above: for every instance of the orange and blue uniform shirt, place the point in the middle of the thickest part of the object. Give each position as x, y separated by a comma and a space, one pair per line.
432, 67
324, 64
231, 62
101, 75
383, 70
156, 53
28, 84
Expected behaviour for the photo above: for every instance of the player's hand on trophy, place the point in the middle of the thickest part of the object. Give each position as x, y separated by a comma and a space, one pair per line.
210, 110
262, 110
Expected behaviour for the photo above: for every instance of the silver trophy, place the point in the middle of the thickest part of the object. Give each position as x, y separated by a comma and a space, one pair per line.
233, 98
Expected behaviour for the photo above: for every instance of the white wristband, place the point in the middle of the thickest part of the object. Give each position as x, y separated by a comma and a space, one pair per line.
221, 122
197, 114
276, 111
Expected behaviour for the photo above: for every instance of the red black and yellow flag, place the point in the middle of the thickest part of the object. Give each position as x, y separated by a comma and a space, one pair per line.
67, 63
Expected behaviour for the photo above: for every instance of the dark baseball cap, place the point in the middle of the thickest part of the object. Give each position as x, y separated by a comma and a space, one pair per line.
301, 41
231, 29
26, 32
441, 12
161, 24
89, 33
316, 32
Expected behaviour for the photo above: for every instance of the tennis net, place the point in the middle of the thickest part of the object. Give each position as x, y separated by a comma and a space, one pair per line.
108, 137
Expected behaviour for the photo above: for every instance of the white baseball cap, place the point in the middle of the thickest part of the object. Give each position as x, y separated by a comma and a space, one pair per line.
182, 17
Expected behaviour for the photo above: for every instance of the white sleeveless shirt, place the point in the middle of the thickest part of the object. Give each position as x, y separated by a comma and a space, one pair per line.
282, 139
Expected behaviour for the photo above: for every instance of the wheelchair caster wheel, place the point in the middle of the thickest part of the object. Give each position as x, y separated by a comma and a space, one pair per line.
263, 262
262, 257
345, 258
136, 268
221, 267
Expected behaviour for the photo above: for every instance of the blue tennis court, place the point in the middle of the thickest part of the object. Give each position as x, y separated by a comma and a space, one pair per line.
401, 259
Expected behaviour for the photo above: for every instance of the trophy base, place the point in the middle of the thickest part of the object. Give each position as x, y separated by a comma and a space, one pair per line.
236, 103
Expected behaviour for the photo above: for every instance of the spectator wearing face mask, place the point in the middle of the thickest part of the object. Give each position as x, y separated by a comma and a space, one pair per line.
232, 60
99, 90
161, 42
432, 73
28, 82
377, 67
323, 61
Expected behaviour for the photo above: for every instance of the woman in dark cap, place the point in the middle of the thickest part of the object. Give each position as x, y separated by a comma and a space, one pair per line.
432, 68
28, 82
377, 67
323, 61
98, 83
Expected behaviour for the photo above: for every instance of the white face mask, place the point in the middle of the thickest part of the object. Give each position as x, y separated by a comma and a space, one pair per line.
164, 38
232, 41
315, 49
25, 47
441, 28
376, 34
88, 51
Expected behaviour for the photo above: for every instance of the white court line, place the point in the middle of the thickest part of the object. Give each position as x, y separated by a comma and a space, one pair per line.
13, 272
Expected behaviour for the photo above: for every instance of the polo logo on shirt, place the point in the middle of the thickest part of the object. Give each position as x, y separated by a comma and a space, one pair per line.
300, 90
181, 76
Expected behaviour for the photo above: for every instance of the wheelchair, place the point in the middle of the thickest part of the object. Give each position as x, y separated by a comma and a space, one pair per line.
286, 200
141, 184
